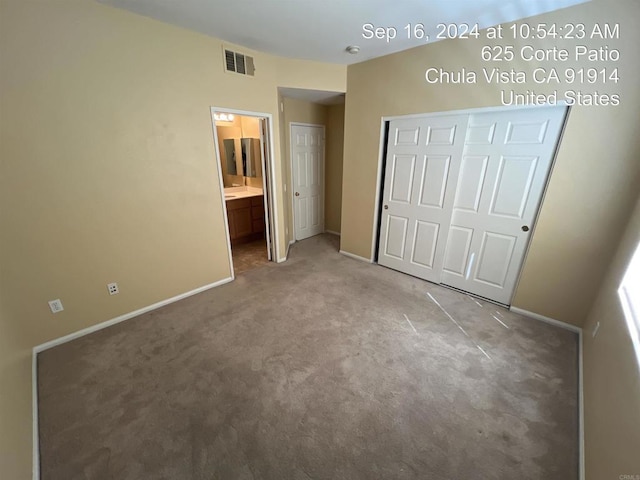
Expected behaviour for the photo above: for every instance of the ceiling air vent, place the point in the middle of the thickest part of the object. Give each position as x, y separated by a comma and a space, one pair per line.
238, 63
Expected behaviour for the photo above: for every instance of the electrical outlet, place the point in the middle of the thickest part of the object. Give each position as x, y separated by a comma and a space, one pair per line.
56, 305
113, 288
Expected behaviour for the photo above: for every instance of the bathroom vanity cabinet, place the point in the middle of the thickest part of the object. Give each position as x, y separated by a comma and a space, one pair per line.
246, 219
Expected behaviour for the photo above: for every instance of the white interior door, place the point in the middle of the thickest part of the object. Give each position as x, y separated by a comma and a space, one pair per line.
307, 155
423, 158
506, 161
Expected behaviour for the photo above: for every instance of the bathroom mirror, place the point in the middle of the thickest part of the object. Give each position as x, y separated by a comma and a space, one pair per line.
230, 154
251, 158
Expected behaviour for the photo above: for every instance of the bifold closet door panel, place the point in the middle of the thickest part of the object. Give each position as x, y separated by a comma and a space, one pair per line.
503, 172
423, 160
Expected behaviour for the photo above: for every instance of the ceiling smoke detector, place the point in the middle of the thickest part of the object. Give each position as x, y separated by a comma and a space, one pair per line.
353, 49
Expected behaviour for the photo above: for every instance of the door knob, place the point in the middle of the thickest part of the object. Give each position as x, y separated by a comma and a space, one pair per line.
297, 194
386, 207
525, 228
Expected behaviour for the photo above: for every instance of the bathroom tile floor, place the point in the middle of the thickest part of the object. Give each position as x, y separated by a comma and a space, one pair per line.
247, 256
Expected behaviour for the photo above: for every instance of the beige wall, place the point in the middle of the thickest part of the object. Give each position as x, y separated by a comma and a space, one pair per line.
594, 181
612, 376
108, 165
333, 168
282, 138
15, 399
310, 75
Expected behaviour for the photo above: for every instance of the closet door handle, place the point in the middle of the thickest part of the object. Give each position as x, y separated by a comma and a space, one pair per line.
386, 207
525, 228
297, 194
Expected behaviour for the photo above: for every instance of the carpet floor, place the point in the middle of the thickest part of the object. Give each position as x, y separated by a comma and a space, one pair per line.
322, 367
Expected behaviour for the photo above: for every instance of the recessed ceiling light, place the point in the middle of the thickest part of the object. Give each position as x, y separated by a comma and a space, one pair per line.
353, 49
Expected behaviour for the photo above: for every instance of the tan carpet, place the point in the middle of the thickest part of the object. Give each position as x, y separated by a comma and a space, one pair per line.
319, 368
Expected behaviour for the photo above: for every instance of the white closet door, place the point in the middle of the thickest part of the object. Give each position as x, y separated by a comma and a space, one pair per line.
506, 160
423, 158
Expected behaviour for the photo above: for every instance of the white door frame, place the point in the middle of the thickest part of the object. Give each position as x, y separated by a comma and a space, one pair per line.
383, 126
291, 183
270, 206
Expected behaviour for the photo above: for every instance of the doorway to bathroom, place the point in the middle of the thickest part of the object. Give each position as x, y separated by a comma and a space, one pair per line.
243, 142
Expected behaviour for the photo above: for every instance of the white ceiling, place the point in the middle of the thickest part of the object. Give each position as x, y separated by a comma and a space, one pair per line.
322, 29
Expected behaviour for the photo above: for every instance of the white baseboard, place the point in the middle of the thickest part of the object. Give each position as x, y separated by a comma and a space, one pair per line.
542, 318
86, 331
357, 257
126, 316
332, 232
578, 330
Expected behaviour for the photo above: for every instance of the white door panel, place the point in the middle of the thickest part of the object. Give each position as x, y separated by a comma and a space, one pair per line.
499, 192
458, 244
315, 210
513, 185
481, 133
396, 235
402, 170
406, 136
442, 135
307, 152
526, 132
472, 173
434, 181
424, 243
422, 157
458, 190
494, 258
301, 214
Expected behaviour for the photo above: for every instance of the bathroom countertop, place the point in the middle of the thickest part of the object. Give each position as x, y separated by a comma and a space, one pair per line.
234, 193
